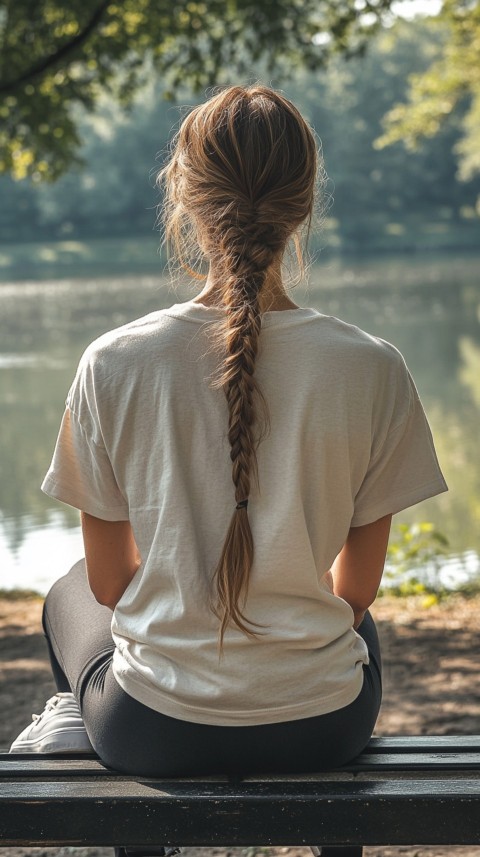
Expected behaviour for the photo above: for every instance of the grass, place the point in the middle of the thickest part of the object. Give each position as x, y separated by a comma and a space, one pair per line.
20, 595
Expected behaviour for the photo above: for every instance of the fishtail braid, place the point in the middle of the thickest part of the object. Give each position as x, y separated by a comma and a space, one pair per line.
248, 249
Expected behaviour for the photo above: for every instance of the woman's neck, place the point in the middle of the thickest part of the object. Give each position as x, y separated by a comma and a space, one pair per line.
272, 297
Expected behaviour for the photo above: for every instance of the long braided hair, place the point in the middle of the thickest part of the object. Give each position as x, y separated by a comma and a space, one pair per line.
240, 182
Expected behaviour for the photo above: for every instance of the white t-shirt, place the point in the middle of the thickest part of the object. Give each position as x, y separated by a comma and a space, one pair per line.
144, 438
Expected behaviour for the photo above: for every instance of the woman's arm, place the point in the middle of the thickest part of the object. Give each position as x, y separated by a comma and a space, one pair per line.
112, 557
358, 568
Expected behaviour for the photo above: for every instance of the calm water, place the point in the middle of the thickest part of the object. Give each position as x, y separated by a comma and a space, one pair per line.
429, 308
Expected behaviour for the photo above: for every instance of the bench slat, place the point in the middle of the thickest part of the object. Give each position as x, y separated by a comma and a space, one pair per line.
198, 790
424, 743
38, 766
416, 761
385, 745
205, 813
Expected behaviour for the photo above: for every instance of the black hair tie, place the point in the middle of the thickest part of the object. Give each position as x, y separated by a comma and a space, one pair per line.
242, 504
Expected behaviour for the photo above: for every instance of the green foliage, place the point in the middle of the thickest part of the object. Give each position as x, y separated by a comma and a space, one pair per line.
415, 545
411, 548
451, 81
383, 200
56, 57
388, 197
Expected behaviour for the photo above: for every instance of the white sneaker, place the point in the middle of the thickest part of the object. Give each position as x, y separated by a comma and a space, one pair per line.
58, 729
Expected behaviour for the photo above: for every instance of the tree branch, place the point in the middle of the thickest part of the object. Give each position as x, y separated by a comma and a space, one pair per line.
38, 69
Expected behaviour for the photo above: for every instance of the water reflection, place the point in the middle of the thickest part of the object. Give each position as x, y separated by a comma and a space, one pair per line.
430, 309
43, 555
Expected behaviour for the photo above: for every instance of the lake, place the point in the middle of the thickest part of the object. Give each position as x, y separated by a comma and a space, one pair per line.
429, 307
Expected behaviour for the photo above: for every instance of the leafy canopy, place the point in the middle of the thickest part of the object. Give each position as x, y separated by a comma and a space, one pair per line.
452, 79
57, 57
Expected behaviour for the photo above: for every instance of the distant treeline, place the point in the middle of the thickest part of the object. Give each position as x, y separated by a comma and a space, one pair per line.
382, 198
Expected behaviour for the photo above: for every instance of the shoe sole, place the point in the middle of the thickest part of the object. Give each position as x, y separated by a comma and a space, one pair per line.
51, 743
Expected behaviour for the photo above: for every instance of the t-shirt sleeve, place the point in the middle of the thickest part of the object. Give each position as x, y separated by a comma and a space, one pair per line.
404, 469
81, 473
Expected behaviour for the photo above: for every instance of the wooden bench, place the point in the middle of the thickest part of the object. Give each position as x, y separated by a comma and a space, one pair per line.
400, 791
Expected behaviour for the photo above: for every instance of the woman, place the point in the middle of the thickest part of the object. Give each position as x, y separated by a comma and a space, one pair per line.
236, 459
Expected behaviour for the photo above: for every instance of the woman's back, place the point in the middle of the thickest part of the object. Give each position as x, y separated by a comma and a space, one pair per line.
331, 456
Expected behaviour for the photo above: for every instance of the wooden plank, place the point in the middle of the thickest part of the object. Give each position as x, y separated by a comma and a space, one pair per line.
199, 791
371, 813
382, 745
424, 743
37, 766
4, 754
416, 761
412, 744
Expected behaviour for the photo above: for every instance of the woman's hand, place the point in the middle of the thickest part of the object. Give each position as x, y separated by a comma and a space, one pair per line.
358, 568
112, 557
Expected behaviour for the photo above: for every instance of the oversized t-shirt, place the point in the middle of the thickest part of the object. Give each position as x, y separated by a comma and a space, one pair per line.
144, 438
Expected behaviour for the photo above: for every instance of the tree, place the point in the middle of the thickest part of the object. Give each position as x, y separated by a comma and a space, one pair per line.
57, 57
378, 194
381, 198
452, 80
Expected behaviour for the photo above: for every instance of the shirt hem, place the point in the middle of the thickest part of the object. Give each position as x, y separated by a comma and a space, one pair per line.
397, 503
153, 698
57, 491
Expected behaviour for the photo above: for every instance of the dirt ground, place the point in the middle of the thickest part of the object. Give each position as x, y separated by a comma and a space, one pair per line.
431, 686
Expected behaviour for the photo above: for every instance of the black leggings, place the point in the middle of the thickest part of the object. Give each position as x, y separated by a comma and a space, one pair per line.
131, 737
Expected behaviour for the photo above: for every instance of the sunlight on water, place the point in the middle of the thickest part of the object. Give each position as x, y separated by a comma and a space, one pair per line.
38, 361
451, 572
44, 555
